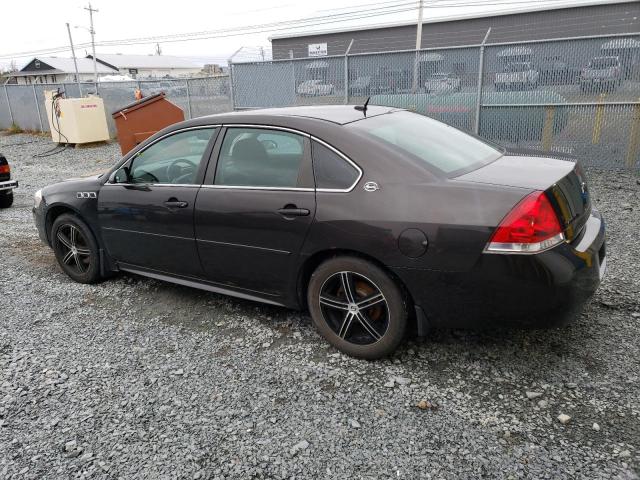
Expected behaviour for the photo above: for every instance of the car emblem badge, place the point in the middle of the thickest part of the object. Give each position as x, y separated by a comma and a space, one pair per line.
371, 187
86, 195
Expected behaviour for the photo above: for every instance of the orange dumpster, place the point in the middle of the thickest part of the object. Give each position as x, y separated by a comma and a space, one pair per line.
141, 119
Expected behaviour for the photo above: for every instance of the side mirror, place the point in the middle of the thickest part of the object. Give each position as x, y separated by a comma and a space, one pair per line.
120, 176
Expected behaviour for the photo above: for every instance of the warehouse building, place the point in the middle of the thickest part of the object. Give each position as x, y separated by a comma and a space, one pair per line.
149, 66
532, 23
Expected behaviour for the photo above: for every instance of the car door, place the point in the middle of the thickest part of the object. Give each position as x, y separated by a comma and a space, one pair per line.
255, 208
146, 208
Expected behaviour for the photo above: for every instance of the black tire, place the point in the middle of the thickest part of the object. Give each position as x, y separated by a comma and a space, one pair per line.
70, 231
6, 199
337, 320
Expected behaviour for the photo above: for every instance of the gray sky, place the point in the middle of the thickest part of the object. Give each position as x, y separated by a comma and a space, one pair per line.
35, 24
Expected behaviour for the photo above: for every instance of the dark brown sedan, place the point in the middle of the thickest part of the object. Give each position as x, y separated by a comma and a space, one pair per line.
374, 223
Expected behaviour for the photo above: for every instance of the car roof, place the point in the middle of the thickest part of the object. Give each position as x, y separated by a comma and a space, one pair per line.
338, 114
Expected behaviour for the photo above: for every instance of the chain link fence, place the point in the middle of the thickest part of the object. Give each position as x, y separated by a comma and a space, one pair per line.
24, 105
577, 97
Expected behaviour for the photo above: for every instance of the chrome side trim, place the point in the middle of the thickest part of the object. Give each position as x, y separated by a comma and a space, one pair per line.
241, 187
233, 187
189, 185
266, 127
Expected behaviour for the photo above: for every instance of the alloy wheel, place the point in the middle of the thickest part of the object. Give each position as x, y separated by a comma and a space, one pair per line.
75, 252
354, 308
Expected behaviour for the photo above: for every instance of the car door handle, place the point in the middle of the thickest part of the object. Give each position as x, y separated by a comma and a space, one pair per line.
293, 212
172, 203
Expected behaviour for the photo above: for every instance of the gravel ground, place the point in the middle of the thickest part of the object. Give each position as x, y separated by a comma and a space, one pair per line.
134, 378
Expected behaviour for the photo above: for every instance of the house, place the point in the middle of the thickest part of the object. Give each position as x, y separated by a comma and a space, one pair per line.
149, 66
57, 70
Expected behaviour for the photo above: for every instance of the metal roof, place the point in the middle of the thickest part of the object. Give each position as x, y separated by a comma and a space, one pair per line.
145, 61
533, 7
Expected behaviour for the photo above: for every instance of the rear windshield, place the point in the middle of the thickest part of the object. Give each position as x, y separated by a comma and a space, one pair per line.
444, 149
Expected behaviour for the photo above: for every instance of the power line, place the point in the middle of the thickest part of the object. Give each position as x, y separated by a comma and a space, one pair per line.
267, 27
383, 8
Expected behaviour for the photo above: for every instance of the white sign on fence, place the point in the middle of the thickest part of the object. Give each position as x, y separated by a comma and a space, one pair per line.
317, 49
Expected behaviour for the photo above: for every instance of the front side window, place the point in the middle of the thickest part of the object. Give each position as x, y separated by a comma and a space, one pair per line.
173, 160
257, 157
330, 170
442, 148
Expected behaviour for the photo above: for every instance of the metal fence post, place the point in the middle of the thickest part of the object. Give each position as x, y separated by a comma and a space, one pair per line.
189, 101
346, 72
293, 74
35, 98
597, 122
6, 94
476, 128
547, 128
231, 93
634, 138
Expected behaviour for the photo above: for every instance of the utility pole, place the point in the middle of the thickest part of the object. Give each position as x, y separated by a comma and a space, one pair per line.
73, 54
158, 49
93, 43
418, 46
262, 53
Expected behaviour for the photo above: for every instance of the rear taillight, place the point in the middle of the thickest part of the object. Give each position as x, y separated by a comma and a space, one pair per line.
5, 169
532, 226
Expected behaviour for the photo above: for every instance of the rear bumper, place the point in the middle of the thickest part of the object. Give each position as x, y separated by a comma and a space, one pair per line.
541, 290
8, 185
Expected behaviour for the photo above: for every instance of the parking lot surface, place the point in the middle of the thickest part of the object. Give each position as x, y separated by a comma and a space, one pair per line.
135, 378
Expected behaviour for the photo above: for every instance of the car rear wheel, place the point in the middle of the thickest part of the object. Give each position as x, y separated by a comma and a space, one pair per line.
357, 307
75, 248
6, 199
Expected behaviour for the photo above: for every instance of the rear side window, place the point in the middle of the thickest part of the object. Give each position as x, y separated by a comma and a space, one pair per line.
331, 171
255, 157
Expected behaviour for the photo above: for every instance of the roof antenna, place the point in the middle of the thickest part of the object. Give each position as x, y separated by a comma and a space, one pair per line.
363, 108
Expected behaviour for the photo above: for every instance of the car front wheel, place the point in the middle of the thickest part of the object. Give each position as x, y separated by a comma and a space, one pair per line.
75, 248
357, 307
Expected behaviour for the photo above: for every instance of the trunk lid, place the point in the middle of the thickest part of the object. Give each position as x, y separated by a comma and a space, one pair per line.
563, 182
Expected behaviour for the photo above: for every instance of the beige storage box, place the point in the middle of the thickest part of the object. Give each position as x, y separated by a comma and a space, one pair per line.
78, 120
